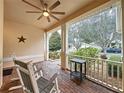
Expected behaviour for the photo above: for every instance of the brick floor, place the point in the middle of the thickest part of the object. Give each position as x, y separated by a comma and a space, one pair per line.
65, 84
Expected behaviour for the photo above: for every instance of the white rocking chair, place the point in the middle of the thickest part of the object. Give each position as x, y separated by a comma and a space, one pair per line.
31, 84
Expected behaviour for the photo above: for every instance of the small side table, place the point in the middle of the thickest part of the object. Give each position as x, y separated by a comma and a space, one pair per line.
76, 71
8, 68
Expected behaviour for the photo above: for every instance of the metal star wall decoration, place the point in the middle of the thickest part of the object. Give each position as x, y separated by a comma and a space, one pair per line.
21, 39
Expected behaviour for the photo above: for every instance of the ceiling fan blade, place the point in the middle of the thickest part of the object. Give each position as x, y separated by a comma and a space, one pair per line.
31, 4
39, 17
33, 11
54, 17
54, 5
48, 18
59, 13
45, 6
42, 3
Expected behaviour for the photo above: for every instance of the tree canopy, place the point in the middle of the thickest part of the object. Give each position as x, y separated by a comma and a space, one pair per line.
99, 29
55, 42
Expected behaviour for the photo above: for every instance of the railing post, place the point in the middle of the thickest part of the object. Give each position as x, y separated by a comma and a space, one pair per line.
118, 75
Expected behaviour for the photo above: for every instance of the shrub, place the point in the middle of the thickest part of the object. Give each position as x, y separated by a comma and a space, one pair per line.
115, 58
87, 52
54, 55
118, 59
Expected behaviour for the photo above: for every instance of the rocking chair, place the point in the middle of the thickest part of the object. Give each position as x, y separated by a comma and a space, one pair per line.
31, 84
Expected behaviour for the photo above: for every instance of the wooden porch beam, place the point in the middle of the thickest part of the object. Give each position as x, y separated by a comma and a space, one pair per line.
79, 12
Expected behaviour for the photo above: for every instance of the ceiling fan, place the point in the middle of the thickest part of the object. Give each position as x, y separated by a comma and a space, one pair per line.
45, 10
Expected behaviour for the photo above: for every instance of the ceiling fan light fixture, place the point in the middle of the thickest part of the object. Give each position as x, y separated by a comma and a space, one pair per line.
46, 13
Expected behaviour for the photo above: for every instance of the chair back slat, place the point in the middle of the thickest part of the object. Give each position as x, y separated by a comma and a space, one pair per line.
27, 81
25, 75
37, 67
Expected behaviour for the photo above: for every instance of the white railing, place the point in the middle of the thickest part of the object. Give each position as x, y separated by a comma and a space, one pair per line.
105, 72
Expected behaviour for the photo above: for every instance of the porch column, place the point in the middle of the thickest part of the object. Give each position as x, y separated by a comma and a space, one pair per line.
46, 46
64, 46
1, 40
122, 5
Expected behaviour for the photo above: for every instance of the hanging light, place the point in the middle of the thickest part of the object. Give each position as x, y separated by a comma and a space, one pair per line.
45, 13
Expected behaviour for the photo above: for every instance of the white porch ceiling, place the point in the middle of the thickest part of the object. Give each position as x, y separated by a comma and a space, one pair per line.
15, 11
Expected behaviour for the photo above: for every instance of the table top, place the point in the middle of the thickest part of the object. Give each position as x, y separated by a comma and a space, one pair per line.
8, 65
80, 61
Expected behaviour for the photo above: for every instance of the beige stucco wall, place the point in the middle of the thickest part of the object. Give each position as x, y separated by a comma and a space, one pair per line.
1, 39
33, 46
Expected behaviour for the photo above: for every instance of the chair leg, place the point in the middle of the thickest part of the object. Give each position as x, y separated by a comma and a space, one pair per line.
56, 86
53, 89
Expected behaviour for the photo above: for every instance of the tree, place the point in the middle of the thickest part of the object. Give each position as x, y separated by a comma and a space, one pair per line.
75, 39
99, 29
55, 42
104, 28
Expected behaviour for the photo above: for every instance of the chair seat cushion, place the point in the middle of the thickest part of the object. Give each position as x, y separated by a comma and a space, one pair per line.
42, 82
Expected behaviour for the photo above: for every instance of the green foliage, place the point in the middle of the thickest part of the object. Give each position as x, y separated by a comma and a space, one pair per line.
54, 55
115, 58
87, 52
55, 42
118, 59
